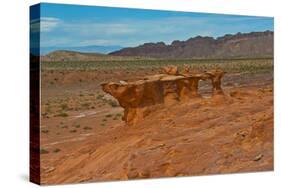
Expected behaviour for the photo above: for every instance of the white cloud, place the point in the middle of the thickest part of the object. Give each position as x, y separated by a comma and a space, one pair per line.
92, 28
46, 41
48, 23
101, 42
44, 24
132, 32
35, 26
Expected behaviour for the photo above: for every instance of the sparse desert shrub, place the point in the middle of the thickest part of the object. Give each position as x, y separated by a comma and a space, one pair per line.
99, 96
86, 105
73, 131
112, 103
43, 151
152, 65
56, 150
61, 114
48, 109
108, 115
45, 115
77, 125
64, 106
118, 115
45, 131
102, 124
104, 120
87, 128
64, 126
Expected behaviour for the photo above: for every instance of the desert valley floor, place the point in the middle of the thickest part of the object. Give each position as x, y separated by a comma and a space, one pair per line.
83, 138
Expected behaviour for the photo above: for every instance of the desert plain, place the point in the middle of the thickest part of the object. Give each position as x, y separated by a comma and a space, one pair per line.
84, 139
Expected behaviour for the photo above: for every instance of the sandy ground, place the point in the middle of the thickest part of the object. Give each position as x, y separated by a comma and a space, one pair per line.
83, 138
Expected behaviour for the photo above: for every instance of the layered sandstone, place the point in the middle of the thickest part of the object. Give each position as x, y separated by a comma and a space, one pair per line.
139, 98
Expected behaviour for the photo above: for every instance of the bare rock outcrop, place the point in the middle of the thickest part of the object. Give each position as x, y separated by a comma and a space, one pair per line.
136, 97
139, 98
216, 76
171, 70
254, 44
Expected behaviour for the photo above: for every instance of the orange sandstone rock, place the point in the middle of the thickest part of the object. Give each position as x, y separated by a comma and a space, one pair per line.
216, 76
171, 70
138, 98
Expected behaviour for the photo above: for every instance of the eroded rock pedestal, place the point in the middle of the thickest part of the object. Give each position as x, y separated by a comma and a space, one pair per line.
139, 98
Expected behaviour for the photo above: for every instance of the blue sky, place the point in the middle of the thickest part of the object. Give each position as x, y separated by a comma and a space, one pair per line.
75, 25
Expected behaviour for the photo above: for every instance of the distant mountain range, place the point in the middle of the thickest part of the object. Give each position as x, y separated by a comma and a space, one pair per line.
85, 49
240, 45
68, 56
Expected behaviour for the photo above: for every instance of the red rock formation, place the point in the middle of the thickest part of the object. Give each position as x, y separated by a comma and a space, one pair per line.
138, 98
171, 70
170, 90
186, 69
188, 87
216, 76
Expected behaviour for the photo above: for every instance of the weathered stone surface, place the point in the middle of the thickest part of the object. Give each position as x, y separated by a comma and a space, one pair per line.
139, 98
170, 89
188, 87
135, 97
171, 70
216, 76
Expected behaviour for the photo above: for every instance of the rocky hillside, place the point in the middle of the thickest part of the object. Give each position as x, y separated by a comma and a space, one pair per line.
254, 44
67, 56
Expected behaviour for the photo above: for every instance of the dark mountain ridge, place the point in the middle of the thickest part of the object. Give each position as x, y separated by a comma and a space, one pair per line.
240, 45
